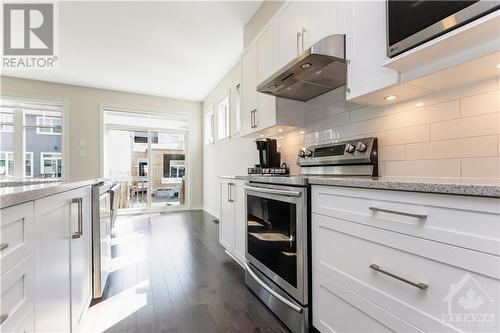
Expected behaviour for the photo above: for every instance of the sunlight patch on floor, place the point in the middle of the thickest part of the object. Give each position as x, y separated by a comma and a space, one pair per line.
111, 311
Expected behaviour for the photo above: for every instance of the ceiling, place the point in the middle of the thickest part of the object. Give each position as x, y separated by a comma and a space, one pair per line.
172, 49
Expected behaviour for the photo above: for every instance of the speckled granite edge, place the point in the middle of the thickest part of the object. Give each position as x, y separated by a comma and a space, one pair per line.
10, 196
491, 191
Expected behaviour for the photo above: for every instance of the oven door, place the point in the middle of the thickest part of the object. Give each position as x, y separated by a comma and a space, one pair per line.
277, 235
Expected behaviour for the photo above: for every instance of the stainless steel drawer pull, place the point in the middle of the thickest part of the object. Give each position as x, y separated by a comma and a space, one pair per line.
273, 191
3, 317
3, 246
421, 286
382, 210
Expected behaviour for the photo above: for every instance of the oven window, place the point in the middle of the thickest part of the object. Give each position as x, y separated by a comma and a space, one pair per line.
271, 235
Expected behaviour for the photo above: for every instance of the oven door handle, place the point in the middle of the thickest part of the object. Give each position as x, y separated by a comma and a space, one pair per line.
273, 191
271, 291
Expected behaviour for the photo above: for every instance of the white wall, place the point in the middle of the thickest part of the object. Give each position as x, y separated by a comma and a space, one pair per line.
231, 157
84, 105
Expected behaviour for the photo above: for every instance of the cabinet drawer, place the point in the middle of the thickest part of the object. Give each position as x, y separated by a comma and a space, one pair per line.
338, 309
469, 222
456, 277
17, 294
16, 234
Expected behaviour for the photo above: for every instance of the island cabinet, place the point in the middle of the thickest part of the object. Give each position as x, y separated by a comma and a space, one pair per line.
46, 263
232, 222
392, 261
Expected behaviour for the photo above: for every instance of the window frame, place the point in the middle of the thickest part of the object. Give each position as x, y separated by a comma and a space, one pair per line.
227, 118
209, 118
4, 125
21, 104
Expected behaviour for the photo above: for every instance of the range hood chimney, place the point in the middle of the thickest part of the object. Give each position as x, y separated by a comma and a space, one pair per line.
314, 72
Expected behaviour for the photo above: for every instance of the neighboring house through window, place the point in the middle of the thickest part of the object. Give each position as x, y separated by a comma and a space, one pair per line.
51, 164
48, 125
7, 164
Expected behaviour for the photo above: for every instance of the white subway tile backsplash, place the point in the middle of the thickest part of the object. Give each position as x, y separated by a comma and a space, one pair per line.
404, 135
454, 135
457, 148
391, 153
466, 127
484, 167
423, 168
480, 104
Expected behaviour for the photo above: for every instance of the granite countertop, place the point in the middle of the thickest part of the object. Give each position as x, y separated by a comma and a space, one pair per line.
232, 177
26, 181
426, 185
14, 195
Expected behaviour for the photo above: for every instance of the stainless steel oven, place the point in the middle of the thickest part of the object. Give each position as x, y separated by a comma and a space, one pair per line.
277, 249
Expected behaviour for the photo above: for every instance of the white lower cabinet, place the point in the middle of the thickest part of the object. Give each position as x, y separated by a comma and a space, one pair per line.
46, 262
232, 222
378, 270
63, 266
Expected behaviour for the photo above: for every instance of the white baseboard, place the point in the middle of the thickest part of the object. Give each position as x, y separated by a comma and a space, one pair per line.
211, 212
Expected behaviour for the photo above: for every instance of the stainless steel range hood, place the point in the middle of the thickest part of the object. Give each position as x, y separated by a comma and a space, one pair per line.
314, 72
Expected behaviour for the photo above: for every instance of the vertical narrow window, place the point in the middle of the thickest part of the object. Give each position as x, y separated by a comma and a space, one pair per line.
223, 123
209, 127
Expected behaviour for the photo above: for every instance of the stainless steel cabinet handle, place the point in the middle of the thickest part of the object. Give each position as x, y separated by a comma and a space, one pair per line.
273, 191
79, 232
271, 291
302, 37
3, 317
3, 246
253, 118
377, 268
230, 192
382, 210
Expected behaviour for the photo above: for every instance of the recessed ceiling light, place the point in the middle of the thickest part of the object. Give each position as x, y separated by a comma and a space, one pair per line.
302, 132
262, 135
390, 97
419, 104
498, 66
281, 137
319, 72
280, 130
305, 66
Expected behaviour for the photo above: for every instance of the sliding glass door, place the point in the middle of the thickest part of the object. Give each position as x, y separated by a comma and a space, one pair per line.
149, 163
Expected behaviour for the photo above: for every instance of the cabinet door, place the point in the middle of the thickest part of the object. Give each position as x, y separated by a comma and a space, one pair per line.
291, 22
323, 19
226, 221
81, 255
52, 266
249, 82
239, 221
366, 49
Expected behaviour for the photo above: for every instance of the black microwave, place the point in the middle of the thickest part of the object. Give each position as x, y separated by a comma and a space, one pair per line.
411, 23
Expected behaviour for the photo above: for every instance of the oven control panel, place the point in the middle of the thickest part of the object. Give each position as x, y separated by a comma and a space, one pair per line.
357, 151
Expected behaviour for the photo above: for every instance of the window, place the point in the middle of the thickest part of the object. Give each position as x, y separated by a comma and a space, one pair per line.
238, 108
48, 125
223, 123
177, 168
209, 127
7, 121
50, 164
7, 164
37, 127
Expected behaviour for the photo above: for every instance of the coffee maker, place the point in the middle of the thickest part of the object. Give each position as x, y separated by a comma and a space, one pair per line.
269, 157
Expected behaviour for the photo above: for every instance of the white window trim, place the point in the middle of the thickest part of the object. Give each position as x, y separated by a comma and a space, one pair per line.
42, 171
51, 129
211, 140
5, 125
227, 122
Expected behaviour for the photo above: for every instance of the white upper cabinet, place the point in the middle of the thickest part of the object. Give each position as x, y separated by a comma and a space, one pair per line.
324, 19
249, 82
292, 22
366, 49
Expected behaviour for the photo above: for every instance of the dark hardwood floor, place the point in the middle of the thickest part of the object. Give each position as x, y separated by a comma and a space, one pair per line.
171, 275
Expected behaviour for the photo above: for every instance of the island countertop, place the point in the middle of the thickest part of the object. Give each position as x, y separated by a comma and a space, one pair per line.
14, 195
427, 185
